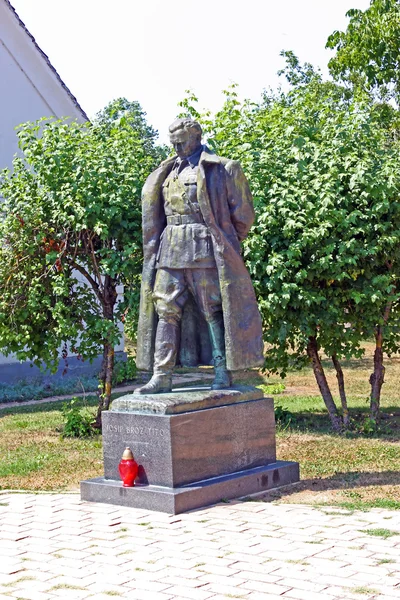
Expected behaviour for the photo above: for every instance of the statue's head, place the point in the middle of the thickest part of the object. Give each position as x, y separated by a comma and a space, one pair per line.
185, 136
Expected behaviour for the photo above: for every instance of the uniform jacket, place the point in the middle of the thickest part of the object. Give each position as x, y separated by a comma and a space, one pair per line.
226, 205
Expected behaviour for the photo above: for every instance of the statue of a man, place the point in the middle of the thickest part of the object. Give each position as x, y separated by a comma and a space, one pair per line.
197, 208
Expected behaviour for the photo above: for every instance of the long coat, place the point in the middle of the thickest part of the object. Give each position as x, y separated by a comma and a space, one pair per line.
226, 205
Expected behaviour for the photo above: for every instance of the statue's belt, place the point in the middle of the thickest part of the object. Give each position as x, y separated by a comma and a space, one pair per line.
184, 219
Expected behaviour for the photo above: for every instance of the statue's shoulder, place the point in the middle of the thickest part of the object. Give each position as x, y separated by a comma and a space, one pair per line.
229, 164
156, 178
165, 165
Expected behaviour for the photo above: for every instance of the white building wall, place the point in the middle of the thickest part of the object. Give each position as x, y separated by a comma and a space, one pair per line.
30, 89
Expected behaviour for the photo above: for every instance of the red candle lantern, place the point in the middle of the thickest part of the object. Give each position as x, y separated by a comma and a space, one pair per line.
128, 468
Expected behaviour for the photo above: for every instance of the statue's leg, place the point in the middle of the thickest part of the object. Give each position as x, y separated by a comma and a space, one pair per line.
170, 295
204, 285
216, 330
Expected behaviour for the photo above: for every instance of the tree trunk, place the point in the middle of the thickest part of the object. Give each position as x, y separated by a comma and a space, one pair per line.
312, 351
107, 368
342, 391
108, 377
105, 387
377, 378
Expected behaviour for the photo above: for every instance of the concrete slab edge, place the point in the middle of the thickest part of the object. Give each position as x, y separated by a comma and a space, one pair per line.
195, 495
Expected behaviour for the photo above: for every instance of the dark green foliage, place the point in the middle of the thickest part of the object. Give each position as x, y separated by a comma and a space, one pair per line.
324, 167
71, 205
71, 234
372, 427
368, 52
124, 370
284, 417
78, 419
126, 113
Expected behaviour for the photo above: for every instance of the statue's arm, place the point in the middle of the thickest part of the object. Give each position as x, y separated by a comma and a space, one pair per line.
239, 199
153, 216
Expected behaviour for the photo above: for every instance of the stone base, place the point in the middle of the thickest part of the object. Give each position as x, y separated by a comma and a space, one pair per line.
234, 430
194, 447
195, 495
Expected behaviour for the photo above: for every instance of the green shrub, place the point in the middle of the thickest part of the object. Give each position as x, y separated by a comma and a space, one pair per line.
284, 417
77, 419
124, 370
272, 388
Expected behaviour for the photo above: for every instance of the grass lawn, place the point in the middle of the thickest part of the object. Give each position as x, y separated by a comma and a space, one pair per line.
354, 471
33, 456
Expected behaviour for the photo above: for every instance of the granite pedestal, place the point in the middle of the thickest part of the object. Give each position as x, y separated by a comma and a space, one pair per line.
194, 447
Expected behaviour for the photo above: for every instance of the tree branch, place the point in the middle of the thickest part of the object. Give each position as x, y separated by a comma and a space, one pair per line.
93, 283
94, 259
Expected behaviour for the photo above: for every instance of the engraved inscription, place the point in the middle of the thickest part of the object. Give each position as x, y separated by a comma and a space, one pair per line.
115, 428
137, 430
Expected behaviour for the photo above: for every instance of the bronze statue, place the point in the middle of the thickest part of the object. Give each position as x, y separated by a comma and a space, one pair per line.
197, 303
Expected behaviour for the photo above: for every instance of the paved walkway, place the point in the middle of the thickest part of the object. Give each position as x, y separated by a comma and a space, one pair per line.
55, 546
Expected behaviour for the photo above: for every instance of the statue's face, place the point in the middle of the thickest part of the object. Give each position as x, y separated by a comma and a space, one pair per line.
184, 143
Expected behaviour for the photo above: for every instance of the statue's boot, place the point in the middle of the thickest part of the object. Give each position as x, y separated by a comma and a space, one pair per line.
158, 384
166, 347
223, 379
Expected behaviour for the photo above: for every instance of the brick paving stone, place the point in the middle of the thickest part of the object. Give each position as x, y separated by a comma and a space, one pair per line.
241, 557
225, 589
37, 574
327, 566
185, 568
219, 570
152, 586
300, 572
142, 595
281, 544
193, 582
33, 586
6, 579
263, 587
30, 594
218, 597
259, 567
62, 580
254, 549
191, 593
60, 570
336, 592
175, 572
297, 594
137, 576
299, 584
329, 580
11, 570
73, 554
210, 579
387, 589
267, 577
72, 594
394, 593
210, 553
381, 578
261, 596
